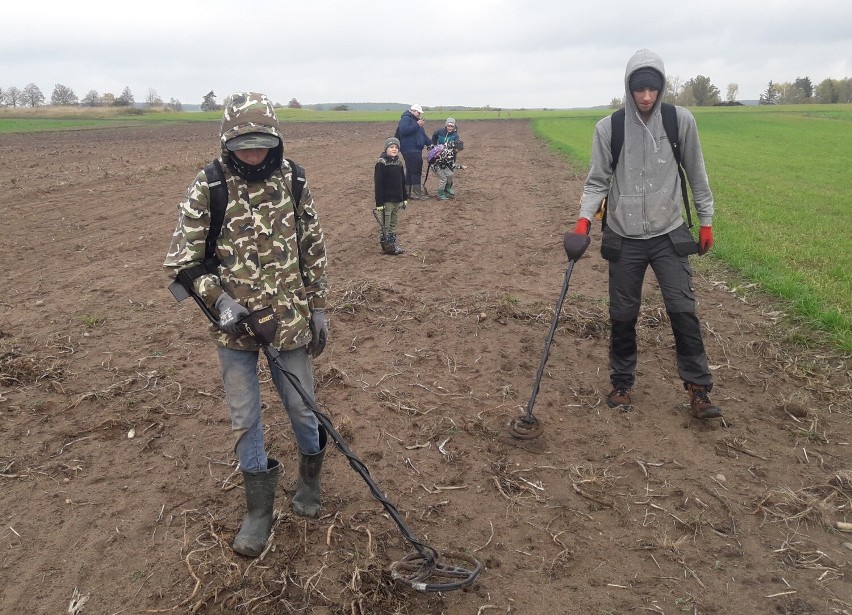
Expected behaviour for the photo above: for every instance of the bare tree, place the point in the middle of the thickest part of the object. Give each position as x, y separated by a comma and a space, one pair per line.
32, 96
673, 89
174, 105
294, 104
63, 96
2, 97
153, 99
91, 99
616, 103
733, 90
13, 97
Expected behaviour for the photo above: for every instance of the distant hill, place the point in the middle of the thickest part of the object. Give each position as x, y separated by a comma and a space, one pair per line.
368, 106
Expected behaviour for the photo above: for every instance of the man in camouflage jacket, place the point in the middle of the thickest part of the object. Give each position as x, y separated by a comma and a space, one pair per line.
271, 252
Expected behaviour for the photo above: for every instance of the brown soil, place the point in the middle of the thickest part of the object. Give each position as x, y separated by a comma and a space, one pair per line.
430, 355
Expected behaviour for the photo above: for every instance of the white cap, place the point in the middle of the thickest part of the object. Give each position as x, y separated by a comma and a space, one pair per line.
417, 108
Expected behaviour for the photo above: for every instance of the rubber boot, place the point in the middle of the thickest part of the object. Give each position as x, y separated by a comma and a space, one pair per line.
417, 193
443, 196
307, 501
260, 497
449, 190
395, 247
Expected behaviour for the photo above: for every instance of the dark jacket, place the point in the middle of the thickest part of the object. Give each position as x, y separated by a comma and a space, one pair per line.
412, 137
389, 179
442, 136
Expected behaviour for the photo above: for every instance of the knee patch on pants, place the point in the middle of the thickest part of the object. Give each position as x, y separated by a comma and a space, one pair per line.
687, 334
623, 337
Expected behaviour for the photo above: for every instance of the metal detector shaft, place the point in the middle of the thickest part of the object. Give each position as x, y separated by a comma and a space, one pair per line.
549, 340
424, 550
413, 570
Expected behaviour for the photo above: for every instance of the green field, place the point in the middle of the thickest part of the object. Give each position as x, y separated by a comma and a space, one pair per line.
779, 174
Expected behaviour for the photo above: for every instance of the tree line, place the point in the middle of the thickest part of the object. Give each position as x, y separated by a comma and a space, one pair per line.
700, 92
696, 92
63, 96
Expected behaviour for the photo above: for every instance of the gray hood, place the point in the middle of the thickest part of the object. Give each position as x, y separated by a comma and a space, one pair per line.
644, 58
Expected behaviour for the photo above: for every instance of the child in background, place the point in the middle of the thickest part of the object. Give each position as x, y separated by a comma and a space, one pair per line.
443, 159
389, 179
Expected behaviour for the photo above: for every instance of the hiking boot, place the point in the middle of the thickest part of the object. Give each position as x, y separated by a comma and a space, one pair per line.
620, 398
699, 402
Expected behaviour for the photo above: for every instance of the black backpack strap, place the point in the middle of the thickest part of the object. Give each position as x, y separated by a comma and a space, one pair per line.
669, 114
616, 141
298, 182
218, 202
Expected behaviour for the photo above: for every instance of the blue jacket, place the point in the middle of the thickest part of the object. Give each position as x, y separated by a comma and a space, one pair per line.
412, 137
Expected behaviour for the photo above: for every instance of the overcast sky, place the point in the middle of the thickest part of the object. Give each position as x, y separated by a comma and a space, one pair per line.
511, 54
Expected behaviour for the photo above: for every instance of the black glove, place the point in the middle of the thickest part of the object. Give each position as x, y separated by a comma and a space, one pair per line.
230, 313
319, 332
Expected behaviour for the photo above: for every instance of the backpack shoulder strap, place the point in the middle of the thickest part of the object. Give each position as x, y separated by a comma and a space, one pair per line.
669, 114
218, 203
298, 182
616, 140
296, 187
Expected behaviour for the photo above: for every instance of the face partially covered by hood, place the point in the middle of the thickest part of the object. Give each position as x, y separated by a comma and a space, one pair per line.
247, 113
643, 59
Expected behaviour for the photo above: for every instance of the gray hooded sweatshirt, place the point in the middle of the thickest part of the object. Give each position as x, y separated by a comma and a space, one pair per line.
644, 192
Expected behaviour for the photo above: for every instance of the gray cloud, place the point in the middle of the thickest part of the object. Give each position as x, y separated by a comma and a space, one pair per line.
541, 53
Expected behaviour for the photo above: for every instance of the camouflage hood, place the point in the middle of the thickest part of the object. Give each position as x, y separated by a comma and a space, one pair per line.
247, 112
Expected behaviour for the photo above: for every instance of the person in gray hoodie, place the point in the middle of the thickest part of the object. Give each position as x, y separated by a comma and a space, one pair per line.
643, 225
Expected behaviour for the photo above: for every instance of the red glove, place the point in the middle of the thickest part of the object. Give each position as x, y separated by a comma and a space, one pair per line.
705, 239
583, 225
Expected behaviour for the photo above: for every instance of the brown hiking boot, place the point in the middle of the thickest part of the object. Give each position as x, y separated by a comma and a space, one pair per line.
621, 399
699, 402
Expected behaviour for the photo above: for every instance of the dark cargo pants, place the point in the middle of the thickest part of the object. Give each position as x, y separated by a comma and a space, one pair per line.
674, 276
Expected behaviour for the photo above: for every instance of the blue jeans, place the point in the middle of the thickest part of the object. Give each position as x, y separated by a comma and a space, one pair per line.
242, 393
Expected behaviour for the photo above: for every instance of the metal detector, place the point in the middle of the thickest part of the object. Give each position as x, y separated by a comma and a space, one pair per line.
527, 427
420, 570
